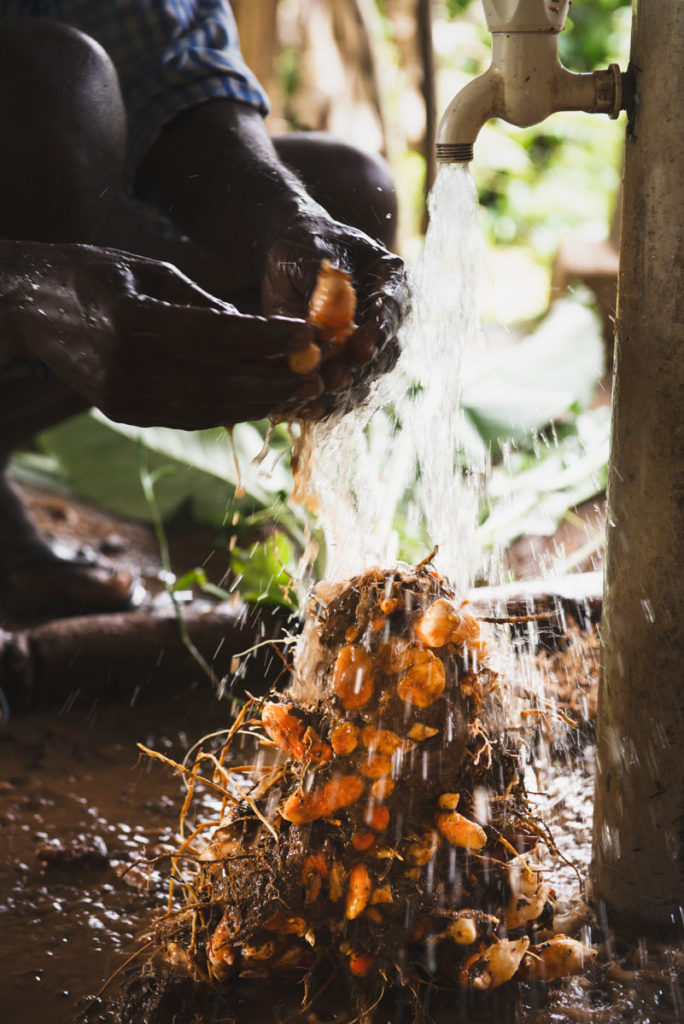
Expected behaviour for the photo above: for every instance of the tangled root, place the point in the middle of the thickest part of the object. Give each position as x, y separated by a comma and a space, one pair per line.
390, 840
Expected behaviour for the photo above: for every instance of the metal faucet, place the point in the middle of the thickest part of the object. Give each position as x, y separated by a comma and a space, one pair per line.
526, 80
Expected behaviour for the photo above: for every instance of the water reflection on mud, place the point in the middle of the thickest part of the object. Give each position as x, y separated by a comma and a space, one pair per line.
78, 810
75, 811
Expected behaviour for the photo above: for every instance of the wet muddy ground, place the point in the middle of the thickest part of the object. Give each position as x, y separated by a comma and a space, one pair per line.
79, 810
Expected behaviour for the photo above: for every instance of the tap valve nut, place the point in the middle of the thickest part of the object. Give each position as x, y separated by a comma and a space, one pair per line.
454, 152
609, 91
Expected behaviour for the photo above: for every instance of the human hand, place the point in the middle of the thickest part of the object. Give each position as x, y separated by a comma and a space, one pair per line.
379, 278
216, 169
145, 345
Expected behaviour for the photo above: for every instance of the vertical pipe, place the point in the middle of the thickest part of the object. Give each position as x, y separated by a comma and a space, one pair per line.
638, 868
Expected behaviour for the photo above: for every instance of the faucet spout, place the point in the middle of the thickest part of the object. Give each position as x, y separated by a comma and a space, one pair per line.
526, 81
470, 108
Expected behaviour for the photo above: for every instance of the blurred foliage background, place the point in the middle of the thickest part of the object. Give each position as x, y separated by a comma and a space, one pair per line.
540, 185
374, 72
379, 73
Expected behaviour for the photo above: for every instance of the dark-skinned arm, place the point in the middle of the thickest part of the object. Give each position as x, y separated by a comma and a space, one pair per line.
140, 341
215, 172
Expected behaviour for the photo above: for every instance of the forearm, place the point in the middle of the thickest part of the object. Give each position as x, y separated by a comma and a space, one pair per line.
48, 304
215, 172
33, 287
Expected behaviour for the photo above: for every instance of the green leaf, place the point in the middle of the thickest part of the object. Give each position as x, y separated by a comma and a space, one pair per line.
530, 492
39, 470
198, 578
264, 572
100, 461
518, 390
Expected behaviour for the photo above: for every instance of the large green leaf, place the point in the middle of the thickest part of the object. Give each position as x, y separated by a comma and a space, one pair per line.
102, 461
531, 491
515, 392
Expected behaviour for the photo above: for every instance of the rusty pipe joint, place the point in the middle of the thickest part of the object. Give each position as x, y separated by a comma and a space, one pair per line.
526, 80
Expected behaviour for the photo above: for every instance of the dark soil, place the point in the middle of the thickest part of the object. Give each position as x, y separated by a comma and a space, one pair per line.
75, 783
78, 809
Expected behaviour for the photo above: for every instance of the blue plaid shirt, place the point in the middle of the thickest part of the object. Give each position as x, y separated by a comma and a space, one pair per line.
169, 54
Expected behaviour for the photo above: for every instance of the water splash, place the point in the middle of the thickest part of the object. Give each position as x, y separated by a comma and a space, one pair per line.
404, 446
443, 333
356, 483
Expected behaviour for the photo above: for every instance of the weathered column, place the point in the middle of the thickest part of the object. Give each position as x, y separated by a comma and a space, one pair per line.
639, 814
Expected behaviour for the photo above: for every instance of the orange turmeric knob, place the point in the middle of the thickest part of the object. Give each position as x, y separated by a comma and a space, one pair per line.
333, 303
423, 683
291, 734
359, 891
338, 792
353, 677
360, 964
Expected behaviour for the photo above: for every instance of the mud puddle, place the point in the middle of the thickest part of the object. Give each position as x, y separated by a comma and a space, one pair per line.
78, 809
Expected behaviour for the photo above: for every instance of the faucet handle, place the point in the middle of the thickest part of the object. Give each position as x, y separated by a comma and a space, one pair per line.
526, 15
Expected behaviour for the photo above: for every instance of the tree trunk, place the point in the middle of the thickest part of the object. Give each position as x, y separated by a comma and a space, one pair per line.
256, 22
352, 27
427, 54
639, 823
337, 83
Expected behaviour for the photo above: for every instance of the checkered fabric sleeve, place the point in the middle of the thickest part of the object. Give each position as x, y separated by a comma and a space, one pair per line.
169, 54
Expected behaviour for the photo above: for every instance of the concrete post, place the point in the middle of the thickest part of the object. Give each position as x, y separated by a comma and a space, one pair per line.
639, 814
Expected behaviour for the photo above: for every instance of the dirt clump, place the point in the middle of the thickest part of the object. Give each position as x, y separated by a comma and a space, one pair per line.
381, 837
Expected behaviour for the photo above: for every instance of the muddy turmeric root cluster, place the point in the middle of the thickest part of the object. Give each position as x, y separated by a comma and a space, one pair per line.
382, 833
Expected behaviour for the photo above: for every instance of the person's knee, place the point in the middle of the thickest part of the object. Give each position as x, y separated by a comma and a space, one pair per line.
372, 193
354, 186
62, 126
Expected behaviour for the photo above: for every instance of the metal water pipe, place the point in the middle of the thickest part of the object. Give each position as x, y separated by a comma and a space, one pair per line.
638, 868
526, 81
638, 864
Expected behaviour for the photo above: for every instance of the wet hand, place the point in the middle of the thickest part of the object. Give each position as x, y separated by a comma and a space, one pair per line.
145, 345
379, 277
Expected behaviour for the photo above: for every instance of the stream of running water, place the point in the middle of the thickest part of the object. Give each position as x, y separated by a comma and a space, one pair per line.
401, 453
399, 463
